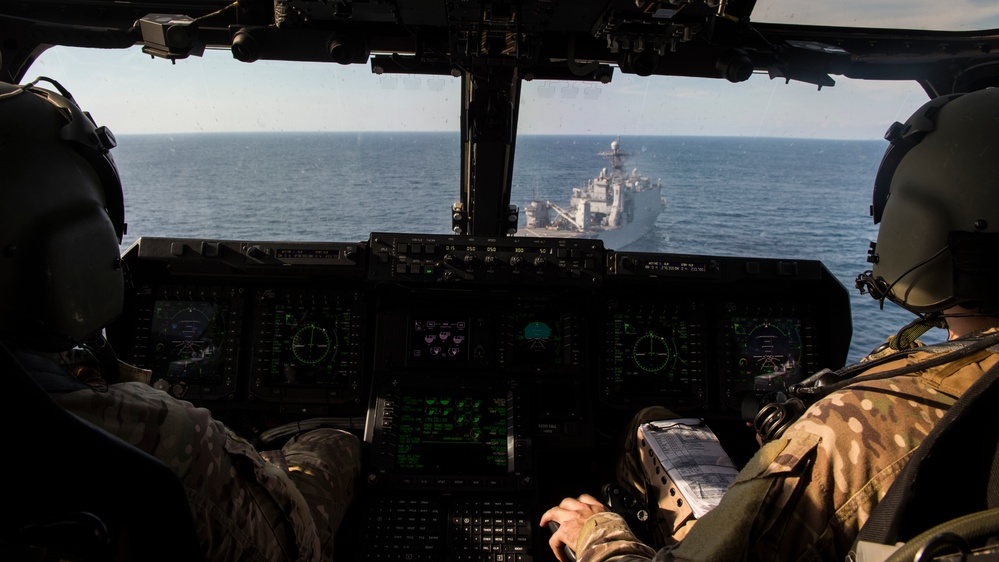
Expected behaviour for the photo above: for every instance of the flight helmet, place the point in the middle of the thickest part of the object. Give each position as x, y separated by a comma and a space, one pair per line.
61, 220
936, 198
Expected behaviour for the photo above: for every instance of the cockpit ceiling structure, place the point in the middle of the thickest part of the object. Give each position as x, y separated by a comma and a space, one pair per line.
534, 39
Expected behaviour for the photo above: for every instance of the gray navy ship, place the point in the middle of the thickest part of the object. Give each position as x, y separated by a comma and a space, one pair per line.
615, 207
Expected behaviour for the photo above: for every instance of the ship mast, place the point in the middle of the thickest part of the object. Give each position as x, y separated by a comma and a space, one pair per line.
615, 156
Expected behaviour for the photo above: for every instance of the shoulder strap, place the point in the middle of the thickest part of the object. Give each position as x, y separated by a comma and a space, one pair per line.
964, 442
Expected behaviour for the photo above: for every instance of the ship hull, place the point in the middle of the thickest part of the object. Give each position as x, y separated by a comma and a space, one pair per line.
648, 206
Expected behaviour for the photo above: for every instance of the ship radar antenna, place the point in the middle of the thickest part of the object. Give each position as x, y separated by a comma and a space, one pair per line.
615, 156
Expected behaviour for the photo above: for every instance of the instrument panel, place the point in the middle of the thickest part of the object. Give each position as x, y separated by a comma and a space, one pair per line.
314, 325
487, 375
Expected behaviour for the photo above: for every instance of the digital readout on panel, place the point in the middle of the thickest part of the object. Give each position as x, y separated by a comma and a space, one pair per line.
447, 432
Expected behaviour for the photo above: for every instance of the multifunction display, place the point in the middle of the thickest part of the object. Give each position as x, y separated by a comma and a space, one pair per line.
308, 345
539, 337
653, 349
433, 338
188, 340
452, 433
769, 351
763, 349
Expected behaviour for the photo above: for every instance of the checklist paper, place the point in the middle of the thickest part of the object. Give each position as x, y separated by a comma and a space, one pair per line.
693, 459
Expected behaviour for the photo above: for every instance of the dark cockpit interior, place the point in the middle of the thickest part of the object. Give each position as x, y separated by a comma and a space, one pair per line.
489, 375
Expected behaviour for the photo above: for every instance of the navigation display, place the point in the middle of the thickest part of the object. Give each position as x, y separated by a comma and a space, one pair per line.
188, 339
307, 345
312, 345
458, 432
654, 349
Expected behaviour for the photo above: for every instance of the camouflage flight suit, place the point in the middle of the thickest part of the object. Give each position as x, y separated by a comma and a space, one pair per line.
247, 506
805, 496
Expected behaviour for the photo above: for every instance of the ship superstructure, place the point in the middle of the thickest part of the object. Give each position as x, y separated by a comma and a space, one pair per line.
615, 207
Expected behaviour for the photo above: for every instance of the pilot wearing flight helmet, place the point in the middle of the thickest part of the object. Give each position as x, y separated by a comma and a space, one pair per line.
61, 223
817, 477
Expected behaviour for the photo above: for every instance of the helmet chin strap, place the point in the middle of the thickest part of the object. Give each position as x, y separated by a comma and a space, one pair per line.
880, 289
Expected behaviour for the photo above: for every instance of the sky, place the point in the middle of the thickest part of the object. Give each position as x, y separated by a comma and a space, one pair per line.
133, 93
910, 14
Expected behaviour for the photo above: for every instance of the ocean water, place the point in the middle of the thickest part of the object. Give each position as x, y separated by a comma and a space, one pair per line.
754, 197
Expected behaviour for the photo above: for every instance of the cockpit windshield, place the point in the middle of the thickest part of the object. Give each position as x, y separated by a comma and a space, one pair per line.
301, 151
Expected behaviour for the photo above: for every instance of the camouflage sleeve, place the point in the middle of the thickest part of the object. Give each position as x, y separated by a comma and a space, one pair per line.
720, 535
724, 533
605, 537
324, 464
806, 495
244, 507
864, 436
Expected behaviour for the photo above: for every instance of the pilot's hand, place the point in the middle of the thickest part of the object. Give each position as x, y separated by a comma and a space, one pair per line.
570, 516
